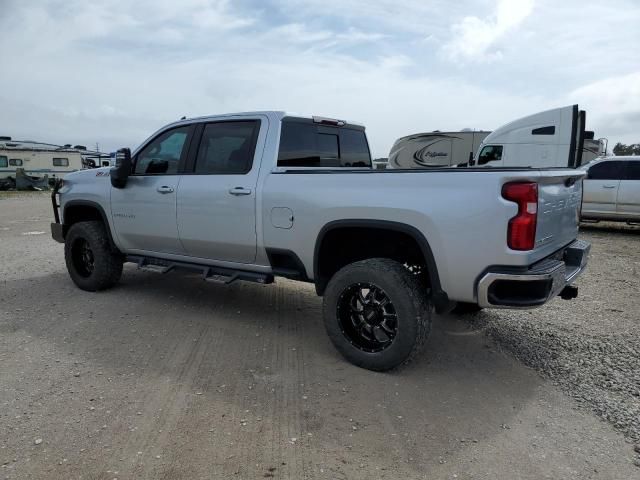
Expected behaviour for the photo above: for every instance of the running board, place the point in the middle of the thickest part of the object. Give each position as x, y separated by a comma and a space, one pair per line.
209, 273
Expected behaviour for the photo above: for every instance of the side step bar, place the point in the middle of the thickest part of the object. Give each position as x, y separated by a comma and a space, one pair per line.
209, 273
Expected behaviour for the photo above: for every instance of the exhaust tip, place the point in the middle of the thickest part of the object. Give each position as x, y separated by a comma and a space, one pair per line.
569, 292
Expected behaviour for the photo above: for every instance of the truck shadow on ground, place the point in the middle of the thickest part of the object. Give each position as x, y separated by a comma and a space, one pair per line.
263, 348
287, 312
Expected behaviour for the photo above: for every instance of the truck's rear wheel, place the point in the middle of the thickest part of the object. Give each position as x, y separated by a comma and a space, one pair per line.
91, 262
376, 313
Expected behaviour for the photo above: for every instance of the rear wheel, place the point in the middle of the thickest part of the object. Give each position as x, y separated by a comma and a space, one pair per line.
377, 313
91, 262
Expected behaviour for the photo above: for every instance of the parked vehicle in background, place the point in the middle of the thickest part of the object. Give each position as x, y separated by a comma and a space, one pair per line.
612, 189
38, 159
593, 148
256, 195
554, 138
436, 149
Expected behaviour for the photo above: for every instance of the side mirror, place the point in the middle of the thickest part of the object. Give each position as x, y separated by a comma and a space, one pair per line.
120, 173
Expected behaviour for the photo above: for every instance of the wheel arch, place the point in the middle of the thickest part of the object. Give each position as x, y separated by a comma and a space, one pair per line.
85, 210
439, 297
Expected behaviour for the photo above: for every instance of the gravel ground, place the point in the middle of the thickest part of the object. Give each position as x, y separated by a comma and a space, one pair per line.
169, 377
590, 347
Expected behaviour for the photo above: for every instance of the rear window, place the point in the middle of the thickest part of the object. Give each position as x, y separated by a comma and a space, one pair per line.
306, 144
60, 162
4, 162
15, 162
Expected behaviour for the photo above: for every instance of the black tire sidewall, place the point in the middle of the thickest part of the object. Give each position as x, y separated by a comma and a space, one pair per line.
401, 288
107, 264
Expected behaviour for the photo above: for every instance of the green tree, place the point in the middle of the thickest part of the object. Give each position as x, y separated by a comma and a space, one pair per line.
622, 149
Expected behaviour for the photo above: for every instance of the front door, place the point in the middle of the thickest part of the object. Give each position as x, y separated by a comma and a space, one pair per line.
217, 200
144, 212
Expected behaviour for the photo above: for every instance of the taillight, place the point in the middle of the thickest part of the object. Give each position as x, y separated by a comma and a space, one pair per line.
521, 234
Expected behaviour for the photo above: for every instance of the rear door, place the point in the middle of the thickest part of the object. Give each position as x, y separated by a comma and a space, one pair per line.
216, 207
601, 187
628, 203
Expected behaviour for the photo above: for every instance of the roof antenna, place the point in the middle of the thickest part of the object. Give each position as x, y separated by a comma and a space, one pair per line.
183, 118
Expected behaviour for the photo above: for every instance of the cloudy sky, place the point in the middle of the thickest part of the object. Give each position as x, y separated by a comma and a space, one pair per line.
112, 71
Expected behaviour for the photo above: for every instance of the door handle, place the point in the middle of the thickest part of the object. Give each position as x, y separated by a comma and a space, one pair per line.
165, 189
609, 186
240, 191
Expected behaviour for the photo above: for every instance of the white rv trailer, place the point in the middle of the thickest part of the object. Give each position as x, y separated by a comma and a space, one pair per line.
436, 149
554, 138
38, 159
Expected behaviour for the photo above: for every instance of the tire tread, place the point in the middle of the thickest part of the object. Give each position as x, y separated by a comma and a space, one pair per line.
109, 270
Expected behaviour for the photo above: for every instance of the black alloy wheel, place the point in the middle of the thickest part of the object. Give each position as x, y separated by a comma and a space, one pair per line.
367, 317
82, 257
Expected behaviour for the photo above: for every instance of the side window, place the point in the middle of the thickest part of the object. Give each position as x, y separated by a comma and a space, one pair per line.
633, 170
612, 170
551, 130
490, 153
227, 147
163, 154
4, 163
15, 162
60, 162
309, 145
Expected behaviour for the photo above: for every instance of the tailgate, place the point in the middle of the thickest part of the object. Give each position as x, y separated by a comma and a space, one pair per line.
559, 201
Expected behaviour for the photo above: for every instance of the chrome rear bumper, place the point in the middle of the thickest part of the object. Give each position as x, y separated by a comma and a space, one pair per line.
536, 285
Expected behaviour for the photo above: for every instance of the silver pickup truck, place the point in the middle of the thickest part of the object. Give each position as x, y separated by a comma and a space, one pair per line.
253, 196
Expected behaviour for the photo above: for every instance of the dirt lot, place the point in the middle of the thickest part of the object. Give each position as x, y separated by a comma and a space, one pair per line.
166, 377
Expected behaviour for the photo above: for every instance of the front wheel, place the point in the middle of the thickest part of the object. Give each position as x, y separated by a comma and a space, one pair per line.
377, 314
91, 262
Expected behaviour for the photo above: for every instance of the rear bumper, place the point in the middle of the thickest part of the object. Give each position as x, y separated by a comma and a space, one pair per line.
536, 285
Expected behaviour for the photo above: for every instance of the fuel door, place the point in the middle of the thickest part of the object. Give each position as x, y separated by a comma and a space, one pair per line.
282, 217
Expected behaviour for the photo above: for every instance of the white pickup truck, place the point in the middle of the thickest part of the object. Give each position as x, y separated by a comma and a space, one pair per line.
256, 195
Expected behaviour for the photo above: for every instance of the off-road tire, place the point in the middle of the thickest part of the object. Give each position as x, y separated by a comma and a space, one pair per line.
409, 299
107, 263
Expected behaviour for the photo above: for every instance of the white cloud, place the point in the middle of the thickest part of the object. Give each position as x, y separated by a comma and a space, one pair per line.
613, 106
473, 37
